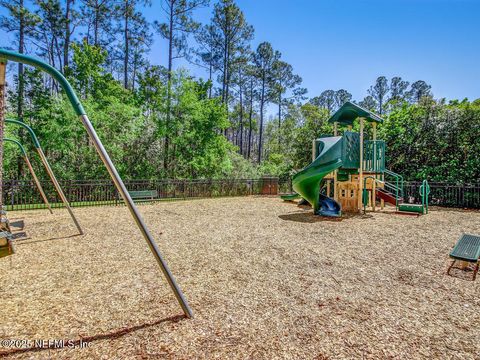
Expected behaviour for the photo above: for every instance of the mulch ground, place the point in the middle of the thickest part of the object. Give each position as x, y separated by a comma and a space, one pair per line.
265, 279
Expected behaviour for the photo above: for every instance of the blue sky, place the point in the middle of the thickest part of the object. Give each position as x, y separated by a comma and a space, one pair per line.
336, 44
347, 44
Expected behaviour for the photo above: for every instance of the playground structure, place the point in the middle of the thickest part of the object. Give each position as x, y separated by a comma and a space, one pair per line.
5, 242
348, 172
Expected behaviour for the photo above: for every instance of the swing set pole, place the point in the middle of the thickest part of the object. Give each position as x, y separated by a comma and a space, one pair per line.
9, 55
30, 168
49, 170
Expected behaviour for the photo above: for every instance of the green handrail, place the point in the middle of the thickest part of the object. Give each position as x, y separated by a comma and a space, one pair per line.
398, 187
424, 192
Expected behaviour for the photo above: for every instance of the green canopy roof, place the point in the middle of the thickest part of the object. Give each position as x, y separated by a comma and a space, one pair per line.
349, 112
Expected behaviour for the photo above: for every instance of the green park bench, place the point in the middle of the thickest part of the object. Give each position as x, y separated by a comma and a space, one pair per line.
143, 194
467, 249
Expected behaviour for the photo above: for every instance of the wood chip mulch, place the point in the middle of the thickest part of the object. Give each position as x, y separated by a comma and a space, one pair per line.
265, 279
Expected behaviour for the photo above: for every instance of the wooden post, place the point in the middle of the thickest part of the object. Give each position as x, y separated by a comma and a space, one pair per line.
3, 70
374, 159
360, 171
335, 185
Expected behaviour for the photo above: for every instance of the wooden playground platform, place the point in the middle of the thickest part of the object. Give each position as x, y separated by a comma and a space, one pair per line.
265, 279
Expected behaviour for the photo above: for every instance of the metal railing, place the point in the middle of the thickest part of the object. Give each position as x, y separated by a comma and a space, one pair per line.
445, 194
461, 195
395, 186
23, 195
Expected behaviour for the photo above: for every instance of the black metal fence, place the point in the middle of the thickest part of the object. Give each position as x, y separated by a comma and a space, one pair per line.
23, 195
445, 194
441, 193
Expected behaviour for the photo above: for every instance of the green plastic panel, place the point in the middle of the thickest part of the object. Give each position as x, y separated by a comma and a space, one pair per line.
417, 208
351, 150
349, 112
374, 156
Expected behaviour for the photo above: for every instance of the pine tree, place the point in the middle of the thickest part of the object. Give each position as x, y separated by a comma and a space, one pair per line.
233, 34
264, 59
379, 92
179, 24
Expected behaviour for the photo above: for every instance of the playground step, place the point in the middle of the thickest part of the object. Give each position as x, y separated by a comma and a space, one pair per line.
416, 208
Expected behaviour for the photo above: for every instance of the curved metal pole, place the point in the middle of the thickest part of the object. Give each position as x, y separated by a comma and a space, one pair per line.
49, 170
30, 168
9, 55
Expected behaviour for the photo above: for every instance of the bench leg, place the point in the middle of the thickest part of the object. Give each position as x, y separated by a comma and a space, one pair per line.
475, 271
450, 267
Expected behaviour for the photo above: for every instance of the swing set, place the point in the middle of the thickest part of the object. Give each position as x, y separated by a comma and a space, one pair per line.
6, 55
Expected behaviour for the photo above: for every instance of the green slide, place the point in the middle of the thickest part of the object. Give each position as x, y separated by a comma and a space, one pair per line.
307, 182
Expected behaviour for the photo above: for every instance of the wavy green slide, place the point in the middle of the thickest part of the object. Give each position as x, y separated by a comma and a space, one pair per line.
307, 182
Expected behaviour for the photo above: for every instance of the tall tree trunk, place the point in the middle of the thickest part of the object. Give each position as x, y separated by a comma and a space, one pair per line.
127, 47
250, 118
21, 79
169, 87
260, 135
225, 69
279, 110
224, 79
68, 34
95, 23
241, 117
3, 69
134, 71
21, 50
210, 72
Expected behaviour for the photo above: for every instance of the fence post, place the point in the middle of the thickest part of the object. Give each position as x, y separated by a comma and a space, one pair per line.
13, 194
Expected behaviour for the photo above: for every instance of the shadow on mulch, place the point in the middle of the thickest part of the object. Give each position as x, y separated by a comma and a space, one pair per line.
88, 339
465, 274
19, 235
26, 240
308, 217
